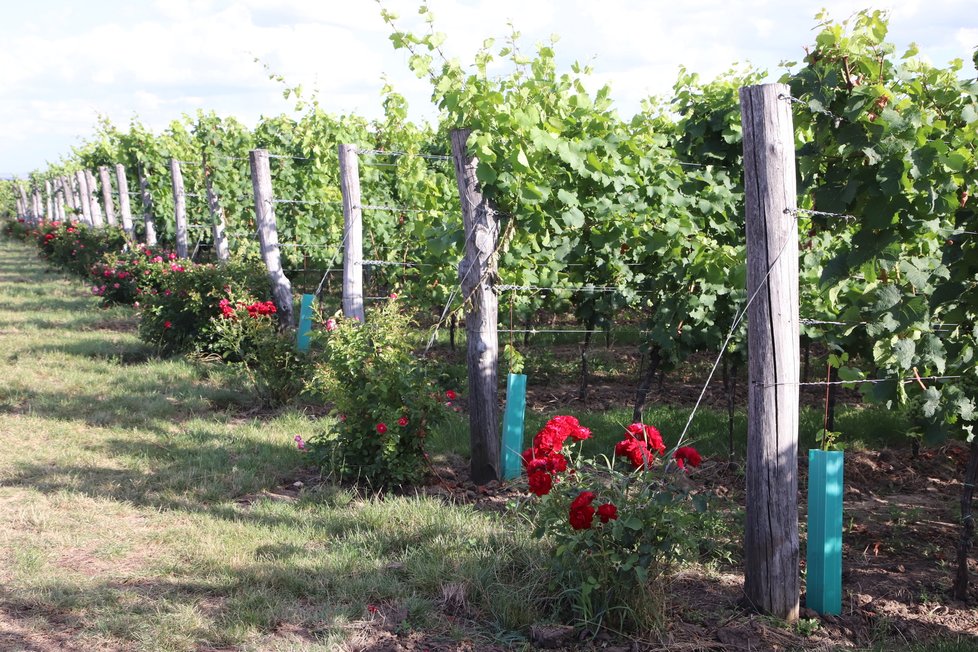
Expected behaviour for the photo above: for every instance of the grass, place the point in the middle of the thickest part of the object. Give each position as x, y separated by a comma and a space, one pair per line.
142, 509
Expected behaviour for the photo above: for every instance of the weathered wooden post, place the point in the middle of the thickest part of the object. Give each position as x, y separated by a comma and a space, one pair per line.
37, 205
93, 199
23, 210
179, 208
476, 275
49, 197
353, 233
76, 194
261, 181
84, 200
59, 200
68, 191
125, 211
106, 181
218, 224
147, 198
772, 581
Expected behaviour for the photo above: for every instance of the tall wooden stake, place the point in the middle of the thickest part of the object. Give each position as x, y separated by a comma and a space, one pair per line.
218, 224
125, 212
106, 181
772, 582
23, 207
477, 273
49, 196
37, 205
179, 208
352, 233
261, 181
93, 199
59, 200
148, 221
86, 206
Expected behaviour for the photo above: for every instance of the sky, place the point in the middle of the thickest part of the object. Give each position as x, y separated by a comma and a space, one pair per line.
63, 64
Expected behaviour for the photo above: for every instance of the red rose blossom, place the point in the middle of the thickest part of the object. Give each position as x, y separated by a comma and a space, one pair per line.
687, 455
607, 512
167, 324
584, 498
540, 482
381, 428
581, 518
451, 395
403, 421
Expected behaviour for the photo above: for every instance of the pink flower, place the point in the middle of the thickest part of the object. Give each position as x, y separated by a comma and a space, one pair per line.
172, 256
115, 285
393, 295
331, 324
158, 259
300, 444
381, 428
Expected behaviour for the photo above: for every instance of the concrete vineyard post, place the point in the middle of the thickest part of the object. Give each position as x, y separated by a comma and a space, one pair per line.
352, 233
476, 273
261, 181
179, 208
125, 212
218, 224
772, 582
148, 221
106, 181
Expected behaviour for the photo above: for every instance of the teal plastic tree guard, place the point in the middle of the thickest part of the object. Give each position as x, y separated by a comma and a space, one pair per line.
305, 323
513, 425
824, 574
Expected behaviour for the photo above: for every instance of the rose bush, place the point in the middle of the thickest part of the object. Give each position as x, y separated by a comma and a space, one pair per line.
617, 524
384, 399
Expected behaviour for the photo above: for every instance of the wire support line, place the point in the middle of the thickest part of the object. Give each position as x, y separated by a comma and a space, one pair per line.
871, 381
188, 162
795, 100
380, 152
815, 322
398, 209
726, 342
568, 288
298, 245
540, 331
385, 263
294, 158
307, 201
332, 261
794, 212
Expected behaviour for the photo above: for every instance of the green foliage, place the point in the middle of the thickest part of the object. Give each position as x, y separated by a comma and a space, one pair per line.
76, 248
384, 399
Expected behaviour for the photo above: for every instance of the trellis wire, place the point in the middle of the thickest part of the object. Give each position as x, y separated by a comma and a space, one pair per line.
808, 211
378, 152
871, 381
733, 329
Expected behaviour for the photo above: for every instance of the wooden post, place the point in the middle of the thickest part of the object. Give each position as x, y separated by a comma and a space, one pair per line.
86, 206
179, 207
103, 176
67, 188
148, 221
125, 212
477, 273
23, 211
352, 233
49, 196
93, 199
36, 205
75, 185
59, 200
218, 224
772, 582
261, 181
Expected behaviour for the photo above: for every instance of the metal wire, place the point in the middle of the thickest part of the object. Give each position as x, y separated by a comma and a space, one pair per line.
379, 152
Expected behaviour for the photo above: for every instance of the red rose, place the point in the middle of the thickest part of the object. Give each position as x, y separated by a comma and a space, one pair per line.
581, 518
381, 428
403, 421
451, 395
687, 455
583, 499
635, 450
607, 512
556, 463
540, 483
167, 324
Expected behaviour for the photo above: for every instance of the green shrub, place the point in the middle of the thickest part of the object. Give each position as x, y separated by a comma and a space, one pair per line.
75, 247
17, 229
177, 314
383, 398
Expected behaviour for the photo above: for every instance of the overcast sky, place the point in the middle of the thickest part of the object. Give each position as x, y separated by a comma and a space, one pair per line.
64, 63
